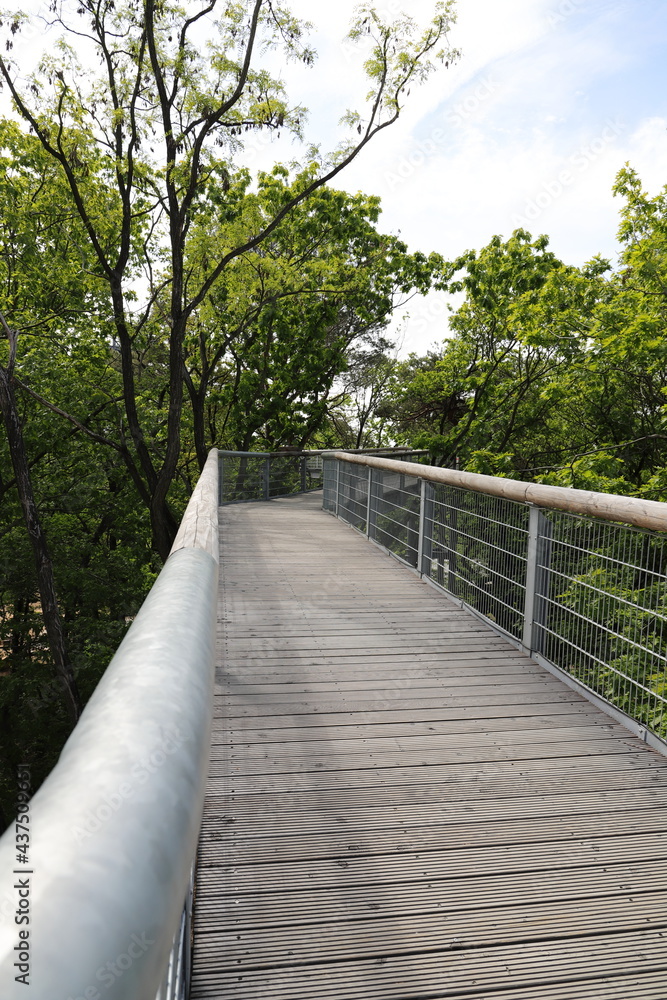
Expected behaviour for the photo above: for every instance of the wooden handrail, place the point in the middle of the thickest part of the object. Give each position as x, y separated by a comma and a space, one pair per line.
608, 506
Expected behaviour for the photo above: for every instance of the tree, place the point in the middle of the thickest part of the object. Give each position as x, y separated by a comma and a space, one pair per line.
483, 395
68, 579
288, 317
155, 125
553, 372
36, 290
362, 411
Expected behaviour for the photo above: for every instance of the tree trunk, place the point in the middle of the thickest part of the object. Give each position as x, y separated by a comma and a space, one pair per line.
164, 525
43, 563
198, 406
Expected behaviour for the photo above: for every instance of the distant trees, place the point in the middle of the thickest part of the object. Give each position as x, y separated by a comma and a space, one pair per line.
552, 372
284, 321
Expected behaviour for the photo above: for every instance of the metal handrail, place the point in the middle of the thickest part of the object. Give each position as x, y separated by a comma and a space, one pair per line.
114, 828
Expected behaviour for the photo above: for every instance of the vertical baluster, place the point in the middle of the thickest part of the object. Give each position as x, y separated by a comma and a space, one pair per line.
266, 477
426, 510
337, 484
537, 579
372, 504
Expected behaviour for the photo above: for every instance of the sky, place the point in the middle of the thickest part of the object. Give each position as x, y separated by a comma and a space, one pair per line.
549, 99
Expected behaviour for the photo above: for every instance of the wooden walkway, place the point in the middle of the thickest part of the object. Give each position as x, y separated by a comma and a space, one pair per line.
401, 805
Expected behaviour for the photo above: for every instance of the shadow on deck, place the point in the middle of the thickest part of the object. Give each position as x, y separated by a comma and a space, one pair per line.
400, 804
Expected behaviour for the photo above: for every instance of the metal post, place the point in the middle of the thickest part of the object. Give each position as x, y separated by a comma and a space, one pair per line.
420, 539
337, 484
371, 519
426, 506
452, 537
537, 578
369, 500
302, 470
266, 478
531, 576
221, 477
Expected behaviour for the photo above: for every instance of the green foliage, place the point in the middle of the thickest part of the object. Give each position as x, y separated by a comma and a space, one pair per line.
553, 372
147, 147
49, 301
286, 319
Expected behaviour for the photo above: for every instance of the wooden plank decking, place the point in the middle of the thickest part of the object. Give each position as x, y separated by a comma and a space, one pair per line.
400, 805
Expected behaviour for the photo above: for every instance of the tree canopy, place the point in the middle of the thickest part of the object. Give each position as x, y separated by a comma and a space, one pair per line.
143, 111
552, 372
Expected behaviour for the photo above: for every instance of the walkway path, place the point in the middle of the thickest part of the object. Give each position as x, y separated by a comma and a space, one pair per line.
400, 804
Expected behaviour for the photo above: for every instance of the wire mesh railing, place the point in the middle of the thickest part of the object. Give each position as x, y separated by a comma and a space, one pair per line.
604, 614
581, 594
262, 475
259, 475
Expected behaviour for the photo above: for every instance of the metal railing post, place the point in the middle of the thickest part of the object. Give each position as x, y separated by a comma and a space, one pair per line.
531, 577
537, 578
337, 484
425, 553
266, 478
372, 505
420, 537
452, 536
369, 502
302, 471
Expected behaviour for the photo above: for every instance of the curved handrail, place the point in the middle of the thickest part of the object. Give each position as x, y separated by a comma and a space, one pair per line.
610, 507
114, 828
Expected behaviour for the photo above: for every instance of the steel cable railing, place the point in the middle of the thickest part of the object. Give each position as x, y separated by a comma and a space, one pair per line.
113, 830
551, 568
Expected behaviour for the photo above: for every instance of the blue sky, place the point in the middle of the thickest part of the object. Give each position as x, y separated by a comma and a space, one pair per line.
549, 100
